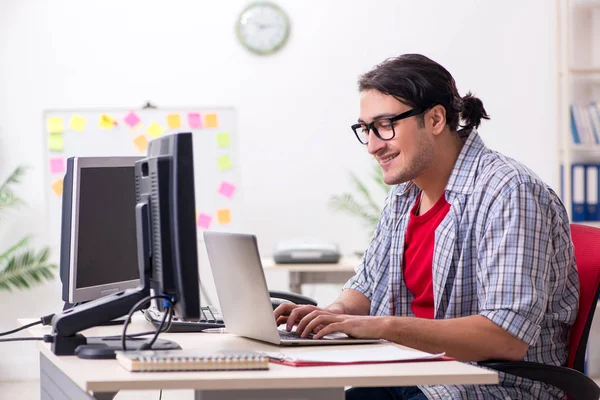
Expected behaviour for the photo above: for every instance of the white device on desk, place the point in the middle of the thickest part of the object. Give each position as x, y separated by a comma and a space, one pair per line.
306, 252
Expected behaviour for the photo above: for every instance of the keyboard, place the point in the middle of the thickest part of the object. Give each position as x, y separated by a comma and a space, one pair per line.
211, 318
285, 335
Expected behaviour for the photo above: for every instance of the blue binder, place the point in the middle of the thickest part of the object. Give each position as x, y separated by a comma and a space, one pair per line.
578, 188
592, 181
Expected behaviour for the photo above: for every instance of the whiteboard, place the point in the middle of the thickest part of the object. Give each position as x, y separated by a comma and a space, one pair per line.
126, 132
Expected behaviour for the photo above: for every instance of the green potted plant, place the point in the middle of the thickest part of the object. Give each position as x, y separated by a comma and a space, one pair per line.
21, 266
362, 204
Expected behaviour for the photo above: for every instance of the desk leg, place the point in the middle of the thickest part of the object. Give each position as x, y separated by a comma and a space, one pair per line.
295, 282
272, 394
55, 385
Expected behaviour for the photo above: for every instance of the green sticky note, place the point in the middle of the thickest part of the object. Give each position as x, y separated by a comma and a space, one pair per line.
223, 139
56, 142
224, 162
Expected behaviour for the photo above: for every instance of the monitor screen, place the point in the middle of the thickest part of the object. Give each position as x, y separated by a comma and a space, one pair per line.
106, 251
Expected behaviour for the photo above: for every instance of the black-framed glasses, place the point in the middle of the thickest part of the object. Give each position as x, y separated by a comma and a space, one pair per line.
383, 128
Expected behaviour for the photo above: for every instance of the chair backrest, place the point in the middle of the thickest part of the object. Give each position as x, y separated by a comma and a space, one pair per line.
586, 242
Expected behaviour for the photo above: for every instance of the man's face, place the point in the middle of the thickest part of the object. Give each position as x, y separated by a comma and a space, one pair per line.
410, 152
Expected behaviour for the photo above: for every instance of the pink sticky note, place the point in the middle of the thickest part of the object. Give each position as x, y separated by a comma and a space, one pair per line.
226, 189
204, 221
194, 120
57, 165
132, 119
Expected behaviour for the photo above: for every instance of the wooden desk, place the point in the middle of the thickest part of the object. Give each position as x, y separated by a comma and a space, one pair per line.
68, 377
300, 274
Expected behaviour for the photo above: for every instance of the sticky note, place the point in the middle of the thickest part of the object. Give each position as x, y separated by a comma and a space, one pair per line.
226, 189
57, 187
155, 130
141, 143
223, 216
56, 142
77, 123
210, 121
55, 125
223, 139
132, 119
106, 121
224, 162
57, 165
194, 120
204, 221
173, 121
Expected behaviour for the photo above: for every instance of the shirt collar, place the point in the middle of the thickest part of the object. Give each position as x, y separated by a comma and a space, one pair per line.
462, 177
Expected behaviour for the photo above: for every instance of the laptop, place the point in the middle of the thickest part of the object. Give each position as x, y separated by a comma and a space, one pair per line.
244, 296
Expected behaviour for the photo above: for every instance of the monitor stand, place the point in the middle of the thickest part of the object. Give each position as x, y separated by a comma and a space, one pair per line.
116, 321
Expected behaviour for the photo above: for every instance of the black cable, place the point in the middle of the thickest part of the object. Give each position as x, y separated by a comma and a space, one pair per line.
18, 339
134, 309
21, 328
160, 395
168, 311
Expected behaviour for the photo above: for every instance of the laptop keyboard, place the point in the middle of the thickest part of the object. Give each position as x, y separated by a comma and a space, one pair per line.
285, 335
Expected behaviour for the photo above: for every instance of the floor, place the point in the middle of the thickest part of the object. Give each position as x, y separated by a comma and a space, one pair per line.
29, 390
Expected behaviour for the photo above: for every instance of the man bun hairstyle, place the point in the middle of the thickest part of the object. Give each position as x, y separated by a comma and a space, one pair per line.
418, 81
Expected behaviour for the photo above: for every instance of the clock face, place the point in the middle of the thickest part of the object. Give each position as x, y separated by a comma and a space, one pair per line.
263, 27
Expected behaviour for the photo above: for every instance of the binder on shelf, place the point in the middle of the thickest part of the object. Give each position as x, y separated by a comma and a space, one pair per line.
574, 130
592, 211
578, 186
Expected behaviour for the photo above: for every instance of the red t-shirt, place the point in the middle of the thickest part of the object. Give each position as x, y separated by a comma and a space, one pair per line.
418, 255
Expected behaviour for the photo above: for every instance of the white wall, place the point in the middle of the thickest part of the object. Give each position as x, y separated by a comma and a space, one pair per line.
294, 108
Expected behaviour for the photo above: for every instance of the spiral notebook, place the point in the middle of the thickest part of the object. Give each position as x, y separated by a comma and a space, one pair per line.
191, 360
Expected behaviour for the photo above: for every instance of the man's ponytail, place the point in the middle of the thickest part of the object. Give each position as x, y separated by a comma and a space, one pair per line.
472, 112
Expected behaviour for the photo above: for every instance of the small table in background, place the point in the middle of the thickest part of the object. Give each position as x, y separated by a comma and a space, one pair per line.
314, 273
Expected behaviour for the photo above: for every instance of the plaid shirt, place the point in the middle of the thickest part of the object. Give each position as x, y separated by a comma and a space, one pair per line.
504, 251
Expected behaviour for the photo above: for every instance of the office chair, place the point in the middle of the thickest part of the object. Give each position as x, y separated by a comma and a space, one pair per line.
570, 379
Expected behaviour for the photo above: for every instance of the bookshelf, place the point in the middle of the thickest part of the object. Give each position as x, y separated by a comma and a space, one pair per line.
578, 55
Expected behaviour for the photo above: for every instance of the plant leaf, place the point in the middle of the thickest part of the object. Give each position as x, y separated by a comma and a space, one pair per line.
26, 268
8, 198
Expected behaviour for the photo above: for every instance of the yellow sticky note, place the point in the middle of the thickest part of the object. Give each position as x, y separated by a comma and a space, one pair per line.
155, 130
56, 142
57, 187
174, 121
224, 216
55, 125
77, 123
141, 143
223, 139
210, 121
106, 121
224, 162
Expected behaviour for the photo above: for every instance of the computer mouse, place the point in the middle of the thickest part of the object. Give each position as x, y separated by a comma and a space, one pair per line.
275, 302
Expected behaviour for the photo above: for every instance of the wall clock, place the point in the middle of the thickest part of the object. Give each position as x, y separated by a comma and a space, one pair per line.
263, 27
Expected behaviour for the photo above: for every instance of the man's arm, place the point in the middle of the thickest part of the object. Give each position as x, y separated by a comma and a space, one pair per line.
350, 302
472, 338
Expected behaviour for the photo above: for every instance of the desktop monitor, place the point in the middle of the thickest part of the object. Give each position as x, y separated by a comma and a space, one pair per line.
166, 246
165, 181
98, 240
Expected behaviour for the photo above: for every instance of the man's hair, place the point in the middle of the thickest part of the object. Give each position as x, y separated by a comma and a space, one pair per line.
418, 81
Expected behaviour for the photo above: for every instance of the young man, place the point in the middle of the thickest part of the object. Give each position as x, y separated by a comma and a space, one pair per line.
472, 255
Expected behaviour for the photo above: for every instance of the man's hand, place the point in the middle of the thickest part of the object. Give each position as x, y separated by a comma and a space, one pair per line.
292, 314
358, 326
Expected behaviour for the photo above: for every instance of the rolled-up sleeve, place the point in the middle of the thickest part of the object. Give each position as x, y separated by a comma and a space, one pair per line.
513, 262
